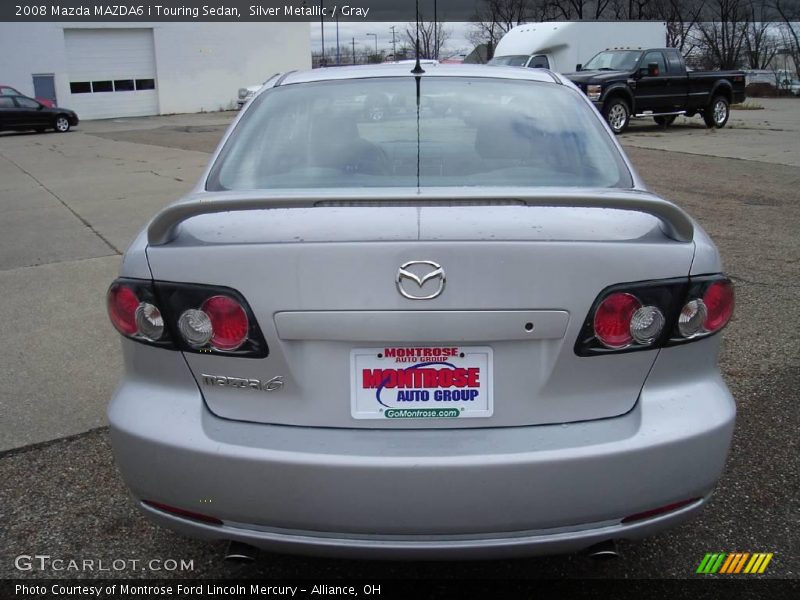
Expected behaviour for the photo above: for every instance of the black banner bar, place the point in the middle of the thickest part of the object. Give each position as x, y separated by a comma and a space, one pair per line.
354, 10
730, 588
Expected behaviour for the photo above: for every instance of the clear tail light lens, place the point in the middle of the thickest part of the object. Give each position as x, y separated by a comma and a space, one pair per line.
149, 321
692, 317
195, 327
612, 320
647, 323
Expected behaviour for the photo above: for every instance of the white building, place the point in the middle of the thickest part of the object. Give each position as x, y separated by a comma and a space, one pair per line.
105, 70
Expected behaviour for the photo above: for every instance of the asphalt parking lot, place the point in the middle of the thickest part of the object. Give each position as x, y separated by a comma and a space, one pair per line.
72, 202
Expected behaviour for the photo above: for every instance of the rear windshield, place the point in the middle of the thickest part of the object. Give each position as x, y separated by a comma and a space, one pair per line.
384, 132
613, 60
514, 60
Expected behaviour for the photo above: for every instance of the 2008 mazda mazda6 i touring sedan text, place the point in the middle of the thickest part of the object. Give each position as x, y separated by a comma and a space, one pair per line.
463, 330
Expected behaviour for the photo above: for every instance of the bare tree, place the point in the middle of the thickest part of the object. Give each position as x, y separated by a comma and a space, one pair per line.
494, 18
600, 7
432, 37
761, 42
722, 31
570, 9
681, 17
789, 12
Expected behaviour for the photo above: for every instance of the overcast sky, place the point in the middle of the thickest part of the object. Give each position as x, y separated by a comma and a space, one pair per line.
457, 42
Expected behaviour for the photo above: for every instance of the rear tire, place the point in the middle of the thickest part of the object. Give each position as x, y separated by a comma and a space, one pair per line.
666, 120
61, 124
717, 112
617, 114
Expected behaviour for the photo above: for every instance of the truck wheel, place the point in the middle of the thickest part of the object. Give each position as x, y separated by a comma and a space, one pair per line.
666, 120
716, 114
617, 114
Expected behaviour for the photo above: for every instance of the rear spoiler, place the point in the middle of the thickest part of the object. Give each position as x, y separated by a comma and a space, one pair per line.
676, 223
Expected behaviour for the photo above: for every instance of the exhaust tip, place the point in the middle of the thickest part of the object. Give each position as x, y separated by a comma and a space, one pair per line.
239, 552
606, 550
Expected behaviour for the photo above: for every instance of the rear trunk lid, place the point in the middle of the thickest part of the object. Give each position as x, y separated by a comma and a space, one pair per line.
323, 285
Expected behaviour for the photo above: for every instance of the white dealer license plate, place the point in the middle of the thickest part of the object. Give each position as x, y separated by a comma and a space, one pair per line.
421, 382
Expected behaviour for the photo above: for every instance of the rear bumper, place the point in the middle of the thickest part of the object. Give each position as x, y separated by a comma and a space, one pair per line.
423, 493
499, 545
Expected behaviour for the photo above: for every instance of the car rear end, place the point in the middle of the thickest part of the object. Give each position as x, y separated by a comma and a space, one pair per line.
370, 368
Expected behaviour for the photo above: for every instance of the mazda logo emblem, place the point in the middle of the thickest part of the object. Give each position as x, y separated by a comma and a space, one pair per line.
420, 272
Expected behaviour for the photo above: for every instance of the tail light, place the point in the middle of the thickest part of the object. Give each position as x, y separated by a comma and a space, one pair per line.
653, 314
708, 308
612, 319
187, 317
133, 310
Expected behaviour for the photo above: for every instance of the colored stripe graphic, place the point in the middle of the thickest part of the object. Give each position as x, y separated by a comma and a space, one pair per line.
728, 564
734, 562
740, 564
758, 563
711, 563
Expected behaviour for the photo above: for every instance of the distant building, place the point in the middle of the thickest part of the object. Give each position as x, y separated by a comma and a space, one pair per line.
479, 55
104, 70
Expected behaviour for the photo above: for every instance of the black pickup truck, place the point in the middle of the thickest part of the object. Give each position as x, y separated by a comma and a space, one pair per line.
625, 83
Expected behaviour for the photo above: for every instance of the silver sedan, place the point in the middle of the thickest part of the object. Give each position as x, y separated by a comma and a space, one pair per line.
465, 329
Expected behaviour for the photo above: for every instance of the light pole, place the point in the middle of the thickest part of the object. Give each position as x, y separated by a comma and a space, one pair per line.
354, 50
337, 40
375, 35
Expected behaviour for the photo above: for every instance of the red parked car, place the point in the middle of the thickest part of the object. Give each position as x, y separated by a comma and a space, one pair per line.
7, 90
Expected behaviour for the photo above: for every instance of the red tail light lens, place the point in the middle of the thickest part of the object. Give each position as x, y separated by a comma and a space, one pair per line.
122, 303
228, 322
718, 299
612, 320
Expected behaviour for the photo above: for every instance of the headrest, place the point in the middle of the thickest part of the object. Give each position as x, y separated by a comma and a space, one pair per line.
331, 129
507, 134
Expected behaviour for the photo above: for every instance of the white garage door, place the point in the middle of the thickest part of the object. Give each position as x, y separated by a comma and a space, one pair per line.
112, 72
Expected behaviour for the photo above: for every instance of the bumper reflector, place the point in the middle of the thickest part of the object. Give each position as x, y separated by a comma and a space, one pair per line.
181, 512
659, 511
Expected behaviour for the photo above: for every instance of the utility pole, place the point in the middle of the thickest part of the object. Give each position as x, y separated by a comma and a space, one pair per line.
338, 62
376, 43
394, 45
435, 33
354, 50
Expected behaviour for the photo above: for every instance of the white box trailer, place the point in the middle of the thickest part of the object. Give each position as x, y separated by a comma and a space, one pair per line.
562, 45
